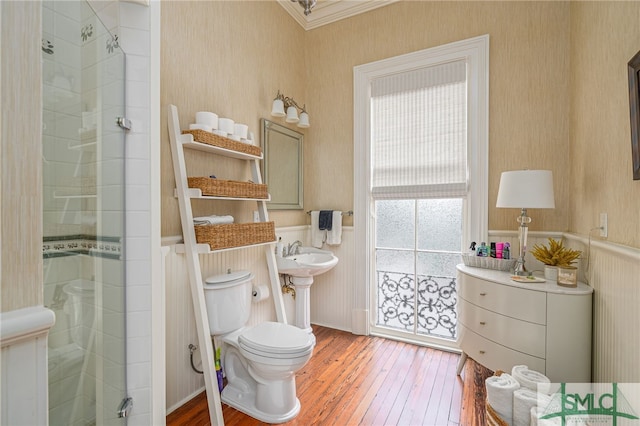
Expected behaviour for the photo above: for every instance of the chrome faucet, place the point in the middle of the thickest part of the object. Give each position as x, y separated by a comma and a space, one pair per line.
293, 248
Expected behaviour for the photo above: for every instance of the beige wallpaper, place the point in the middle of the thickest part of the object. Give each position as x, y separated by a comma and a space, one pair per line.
528, 89
546, 90
605, 35
21, 147
230, 58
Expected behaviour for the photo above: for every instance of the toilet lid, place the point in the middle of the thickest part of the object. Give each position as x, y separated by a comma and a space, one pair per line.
276, 338
229, 278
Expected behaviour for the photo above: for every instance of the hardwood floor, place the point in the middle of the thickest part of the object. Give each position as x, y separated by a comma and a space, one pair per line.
364, 380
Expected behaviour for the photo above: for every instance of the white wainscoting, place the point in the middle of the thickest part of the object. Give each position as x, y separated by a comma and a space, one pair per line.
23, 338
612, 270
614, 273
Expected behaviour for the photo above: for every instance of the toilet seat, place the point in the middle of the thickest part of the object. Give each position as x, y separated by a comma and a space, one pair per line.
276, 340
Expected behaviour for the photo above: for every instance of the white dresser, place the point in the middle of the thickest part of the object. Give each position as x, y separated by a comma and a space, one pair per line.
502, 323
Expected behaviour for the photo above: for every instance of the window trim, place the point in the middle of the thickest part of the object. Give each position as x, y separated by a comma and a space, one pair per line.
476, 52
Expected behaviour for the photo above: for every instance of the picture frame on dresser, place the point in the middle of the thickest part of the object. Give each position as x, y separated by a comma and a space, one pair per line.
634, 112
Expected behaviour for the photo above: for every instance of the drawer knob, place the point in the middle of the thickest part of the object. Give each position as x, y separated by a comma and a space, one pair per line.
481, 352
483, 294
482, 323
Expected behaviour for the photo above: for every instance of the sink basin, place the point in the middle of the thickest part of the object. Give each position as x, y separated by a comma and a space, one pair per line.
310, 262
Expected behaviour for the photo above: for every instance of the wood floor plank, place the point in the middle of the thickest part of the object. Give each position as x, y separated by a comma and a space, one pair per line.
370, 381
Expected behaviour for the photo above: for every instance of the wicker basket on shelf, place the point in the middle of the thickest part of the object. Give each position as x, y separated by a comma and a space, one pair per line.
228, 188
209, 138
488, 262
235, 235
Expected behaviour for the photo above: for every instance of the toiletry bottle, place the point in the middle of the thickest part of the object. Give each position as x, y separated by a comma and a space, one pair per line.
279, 247
219, 370
492, 251
499, 250
506, 251
482, 250
472, 247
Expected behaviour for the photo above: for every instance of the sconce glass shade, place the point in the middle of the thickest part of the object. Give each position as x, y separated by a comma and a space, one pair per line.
292, 115
526, 189
304, 120
277, 110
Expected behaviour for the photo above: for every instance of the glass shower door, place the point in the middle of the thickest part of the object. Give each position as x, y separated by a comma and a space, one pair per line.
84, 214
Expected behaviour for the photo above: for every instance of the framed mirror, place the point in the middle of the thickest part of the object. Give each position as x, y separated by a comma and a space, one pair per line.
282, 166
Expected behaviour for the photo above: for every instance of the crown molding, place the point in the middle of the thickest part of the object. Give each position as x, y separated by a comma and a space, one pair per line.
328, 11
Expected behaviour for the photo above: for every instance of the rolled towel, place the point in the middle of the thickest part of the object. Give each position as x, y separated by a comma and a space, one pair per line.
531, 379
523, 400
500, 395
213, 220
537, 412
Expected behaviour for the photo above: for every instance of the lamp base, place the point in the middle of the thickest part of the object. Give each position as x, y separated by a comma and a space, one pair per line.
520, 270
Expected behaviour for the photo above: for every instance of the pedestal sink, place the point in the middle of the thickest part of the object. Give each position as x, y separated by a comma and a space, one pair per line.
302, 268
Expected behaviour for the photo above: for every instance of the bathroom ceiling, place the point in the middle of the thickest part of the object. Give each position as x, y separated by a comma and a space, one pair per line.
328, 11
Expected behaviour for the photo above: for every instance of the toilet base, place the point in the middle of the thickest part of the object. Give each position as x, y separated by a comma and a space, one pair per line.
245, 401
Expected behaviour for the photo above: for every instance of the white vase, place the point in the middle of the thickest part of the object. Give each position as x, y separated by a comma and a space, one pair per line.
551, 272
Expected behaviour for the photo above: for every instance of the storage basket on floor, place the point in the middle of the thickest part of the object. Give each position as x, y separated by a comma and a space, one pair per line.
228, 188
209, 138
235, 235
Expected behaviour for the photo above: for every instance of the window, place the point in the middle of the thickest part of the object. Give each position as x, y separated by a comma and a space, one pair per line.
421, 191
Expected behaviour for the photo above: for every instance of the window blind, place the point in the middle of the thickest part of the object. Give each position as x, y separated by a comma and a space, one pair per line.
419, 133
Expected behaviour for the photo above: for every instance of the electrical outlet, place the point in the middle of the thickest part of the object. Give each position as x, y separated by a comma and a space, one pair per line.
604, 227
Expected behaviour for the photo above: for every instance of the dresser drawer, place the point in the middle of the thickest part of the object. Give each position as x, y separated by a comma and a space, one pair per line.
494, 356
519, 335
527, 305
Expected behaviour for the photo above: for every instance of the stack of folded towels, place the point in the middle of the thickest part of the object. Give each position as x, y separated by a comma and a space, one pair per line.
518, 398
212, 220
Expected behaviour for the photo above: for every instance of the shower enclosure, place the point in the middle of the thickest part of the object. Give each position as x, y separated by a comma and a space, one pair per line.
84, 221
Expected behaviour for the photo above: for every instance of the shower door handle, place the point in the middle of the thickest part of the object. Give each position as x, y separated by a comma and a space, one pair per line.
124, 122
125, 407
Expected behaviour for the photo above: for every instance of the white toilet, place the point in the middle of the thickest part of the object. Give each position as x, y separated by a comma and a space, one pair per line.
260, 362
80, 307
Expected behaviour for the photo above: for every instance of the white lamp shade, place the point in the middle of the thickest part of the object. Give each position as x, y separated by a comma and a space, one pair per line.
304, 120
277, 110
292, 115
526, 189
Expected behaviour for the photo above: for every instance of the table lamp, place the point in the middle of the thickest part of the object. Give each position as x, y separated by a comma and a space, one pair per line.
525, 189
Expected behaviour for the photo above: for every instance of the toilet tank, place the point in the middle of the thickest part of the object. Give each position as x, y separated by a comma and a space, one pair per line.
228, 301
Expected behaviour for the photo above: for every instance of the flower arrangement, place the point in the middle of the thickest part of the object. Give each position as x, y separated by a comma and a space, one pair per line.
556, 254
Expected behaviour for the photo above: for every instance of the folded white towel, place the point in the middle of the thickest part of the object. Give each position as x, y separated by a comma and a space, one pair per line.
317, 236
531, 379
500, 395
334, 236
523, 400
213, 220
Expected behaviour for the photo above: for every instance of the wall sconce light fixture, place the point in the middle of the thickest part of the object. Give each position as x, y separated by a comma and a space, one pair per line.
284, 106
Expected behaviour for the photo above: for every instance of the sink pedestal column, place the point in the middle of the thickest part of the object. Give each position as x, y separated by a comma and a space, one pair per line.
303, 301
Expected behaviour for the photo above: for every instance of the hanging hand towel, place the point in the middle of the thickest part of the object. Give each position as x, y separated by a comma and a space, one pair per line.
500, 395
325, 220
530, 379
334, 235
317, 236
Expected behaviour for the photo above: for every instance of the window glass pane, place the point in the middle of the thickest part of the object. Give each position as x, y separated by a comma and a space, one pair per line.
395, 224
395, 289
437, 264
436, 306
440, 224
